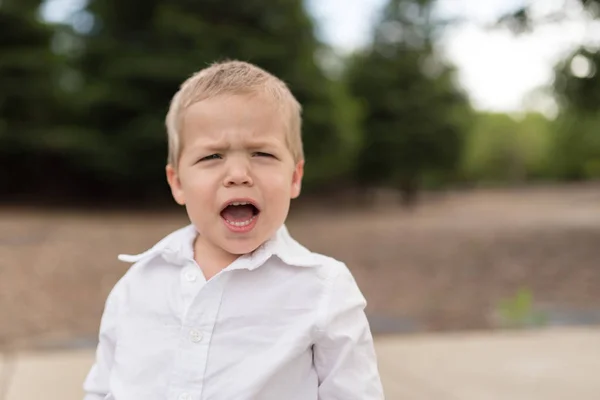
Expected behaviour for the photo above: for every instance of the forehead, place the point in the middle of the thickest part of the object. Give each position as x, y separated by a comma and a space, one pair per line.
233, 118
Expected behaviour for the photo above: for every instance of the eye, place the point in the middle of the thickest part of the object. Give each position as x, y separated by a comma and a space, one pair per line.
211, 157
263, 154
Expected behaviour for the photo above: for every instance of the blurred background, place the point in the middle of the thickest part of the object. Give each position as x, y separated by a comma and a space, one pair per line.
453, 152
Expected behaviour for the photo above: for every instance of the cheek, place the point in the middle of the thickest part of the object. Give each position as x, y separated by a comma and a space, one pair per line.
197, 185
196, 176
280, 180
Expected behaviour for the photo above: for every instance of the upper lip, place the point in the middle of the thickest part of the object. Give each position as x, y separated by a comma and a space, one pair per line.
240, 200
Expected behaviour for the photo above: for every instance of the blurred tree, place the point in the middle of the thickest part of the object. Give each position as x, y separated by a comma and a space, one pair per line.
575, 150
524, 19
576, 83
413, 111
136, 54
576, 147
503, 149
29, 100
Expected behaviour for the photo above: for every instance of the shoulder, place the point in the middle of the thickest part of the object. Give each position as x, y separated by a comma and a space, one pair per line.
334, 273
120, 290
330, 268
342, 302
292, 252
339, 280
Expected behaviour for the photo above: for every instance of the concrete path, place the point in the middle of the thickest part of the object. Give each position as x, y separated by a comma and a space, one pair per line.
543, 365
554, 364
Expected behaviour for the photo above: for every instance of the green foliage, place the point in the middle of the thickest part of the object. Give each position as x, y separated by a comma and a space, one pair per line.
576, 147
577, 81
30, 101
82, 107
518, 311
574, 150
135, 59
117, 75
411, 108
502, 149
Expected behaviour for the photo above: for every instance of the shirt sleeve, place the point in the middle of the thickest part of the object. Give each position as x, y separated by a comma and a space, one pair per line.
344, 354
96, 384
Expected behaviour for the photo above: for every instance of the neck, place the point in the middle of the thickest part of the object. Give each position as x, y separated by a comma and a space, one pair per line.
211, 258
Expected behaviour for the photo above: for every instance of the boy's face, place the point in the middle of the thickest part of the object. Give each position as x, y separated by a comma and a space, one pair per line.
236, 175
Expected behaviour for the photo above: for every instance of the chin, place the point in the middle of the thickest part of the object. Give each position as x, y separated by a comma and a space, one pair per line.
242, 247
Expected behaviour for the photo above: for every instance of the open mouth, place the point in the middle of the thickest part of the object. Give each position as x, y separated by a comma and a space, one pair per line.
240, 213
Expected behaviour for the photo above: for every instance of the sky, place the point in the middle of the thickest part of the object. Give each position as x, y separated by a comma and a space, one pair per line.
497, 69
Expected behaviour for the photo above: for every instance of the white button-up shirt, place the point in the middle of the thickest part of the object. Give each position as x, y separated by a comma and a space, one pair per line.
282, 323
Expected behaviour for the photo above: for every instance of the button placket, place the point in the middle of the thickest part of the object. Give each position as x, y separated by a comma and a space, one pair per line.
191, 276
191, 283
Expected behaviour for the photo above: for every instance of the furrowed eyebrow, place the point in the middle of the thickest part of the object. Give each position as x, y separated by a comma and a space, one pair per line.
213, 146
263, 145
218, 147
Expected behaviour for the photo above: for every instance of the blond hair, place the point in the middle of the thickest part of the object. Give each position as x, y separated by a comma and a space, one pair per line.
234, 77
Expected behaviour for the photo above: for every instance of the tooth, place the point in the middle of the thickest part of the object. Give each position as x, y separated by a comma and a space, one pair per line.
242, 223
239, 203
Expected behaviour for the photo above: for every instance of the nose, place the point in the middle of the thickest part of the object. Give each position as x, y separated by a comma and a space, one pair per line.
238, 173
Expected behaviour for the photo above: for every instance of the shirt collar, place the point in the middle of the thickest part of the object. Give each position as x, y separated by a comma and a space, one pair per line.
177, 248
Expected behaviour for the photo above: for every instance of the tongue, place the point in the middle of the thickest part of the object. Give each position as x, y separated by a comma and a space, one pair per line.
238, 213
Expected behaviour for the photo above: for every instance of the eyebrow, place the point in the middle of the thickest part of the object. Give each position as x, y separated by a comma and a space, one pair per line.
213, 146
222, 146
261, 144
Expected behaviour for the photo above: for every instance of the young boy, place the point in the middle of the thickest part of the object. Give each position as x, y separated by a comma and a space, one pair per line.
231, 307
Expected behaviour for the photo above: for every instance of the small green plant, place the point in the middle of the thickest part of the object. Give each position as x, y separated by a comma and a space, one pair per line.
518, 311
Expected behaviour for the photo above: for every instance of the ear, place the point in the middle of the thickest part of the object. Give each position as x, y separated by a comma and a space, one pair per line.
175, 184
297, 179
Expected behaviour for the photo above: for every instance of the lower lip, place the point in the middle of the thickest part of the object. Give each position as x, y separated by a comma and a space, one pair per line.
241, 229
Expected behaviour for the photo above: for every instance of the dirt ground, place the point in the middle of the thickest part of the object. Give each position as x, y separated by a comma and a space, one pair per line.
443, 266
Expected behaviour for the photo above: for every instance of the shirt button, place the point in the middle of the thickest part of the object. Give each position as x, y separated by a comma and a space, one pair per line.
185, 396
190, 276
195, 336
